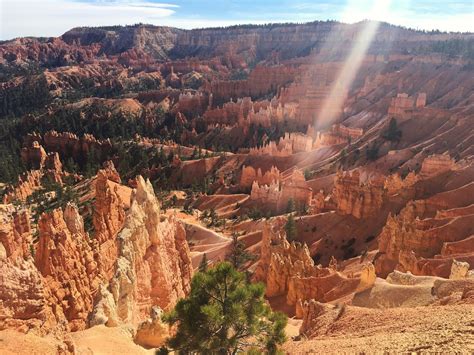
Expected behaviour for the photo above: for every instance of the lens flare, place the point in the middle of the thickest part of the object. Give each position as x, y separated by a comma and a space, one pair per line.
335, 101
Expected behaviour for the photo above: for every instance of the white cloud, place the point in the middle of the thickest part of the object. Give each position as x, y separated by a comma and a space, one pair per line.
53, 17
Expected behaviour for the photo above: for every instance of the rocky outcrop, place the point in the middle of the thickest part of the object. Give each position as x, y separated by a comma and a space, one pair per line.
108, 218
70, 145
250, 174
65, 259
394, 184
27, 184
15, 233
436, 164
428, 235
261, 81
356, 199
459, 270
34, 155
277, 195
25, 301
47, 165
402, 103
153, 266
288, 270
110, 172
152, 333
194, 171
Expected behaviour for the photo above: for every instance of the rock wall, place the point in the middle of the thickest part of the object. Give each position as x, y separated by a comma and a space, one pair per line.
402, 103
27, 184
244, 112
288, 270
193, 104
75, 280
277, 195
436, 164
296, 142
424, 240
153, 265
65, 259
15, 233
312, 91
249, 174
261, 81
69, 144
108, 219
356, 199
34, 155
193, 171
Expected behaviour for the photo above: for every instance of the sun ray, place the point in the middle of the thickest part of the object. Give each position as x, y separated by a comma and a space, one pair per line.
351, 65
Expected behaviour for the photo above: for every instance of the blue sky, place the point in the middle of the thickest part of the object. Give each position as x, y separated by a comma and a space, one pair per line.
54, 17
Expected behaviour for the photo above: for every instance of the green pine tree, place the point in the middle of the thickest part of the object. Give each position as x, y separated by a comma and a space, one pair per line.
290, 228
203, 264
224, 314
290, 207
237, 255
393, 133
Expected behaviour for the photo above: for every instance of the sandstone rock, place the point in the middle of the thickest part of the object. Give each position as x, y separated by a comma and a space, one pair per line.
402, 103
367, 278
249, 174
354, 198
105, 310
108, 219
318, 315
288, 269
69, 144
15, 233
25, 301
27, 184
3, 252
152, 333
34, 155
66, 261
427, 235
154, 266
436, 164
275, 197
261, 80
110, 171
459, 270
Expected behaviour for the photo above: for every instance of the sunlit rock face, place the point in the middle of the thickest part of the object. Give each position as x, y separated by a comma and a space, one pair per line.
153, 265
108, 218
279, 193
288, 270
429, 237
65, 259
357, 199
53, 292
66, 284
250, 174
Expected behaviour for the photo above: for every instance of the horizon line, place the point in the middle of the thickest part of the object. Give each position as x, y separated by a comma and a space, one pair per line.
250, 24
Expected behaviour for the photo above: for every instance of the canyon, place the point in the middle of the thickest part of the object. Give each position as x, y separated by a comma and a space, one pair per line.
130, 153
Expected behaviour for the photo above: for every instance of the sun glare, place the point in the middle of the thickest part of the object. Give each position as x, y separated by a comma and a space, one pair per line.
352, 62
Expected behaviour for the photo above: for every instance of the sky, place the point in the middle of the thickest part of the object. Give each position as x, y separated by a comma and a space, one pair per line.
19, 18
